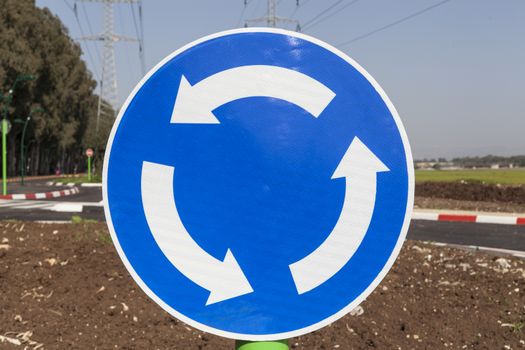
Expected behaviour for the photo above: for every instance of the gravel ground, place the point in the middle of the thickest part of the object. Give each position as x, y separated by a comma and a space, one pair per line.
472, 191
454, 204
64, 287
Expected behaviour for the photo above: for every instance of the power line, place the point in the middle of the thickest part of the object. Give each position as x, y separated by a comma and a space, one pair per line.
90, 56
69, 5
108, 95
256, 8
337, 11
294, 11
123, 29
140, 34
89, 26
242, 14
307, 23
297, 6
417, 13
134, 20
141, 43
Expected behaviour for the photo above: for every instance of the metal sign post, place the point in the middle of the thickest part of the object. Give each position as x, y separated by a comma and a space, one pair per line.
89, 154
4, 156
263, 345
6, 125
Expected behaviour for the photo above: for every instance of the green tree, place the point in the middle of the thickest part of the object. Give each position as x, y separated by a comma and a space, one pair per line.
34, 41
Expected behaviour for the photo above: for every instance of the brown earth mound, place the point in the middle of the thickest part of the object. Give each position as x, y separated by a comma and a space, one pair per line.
455, 204
64, 287
472, 191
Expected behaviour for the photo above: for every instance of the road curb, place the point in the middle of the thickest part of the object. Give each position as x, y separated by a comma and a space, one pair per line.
91, 184
71, 184
42, 195
67, 184
474, 217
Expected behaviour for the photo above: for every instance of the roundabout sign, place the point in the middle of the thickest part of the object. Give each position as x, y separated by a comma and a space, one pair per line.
258, 184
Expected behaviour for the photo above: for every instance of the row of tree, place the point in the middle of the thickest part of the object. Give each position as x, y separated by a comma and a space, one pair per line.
35, 42
479, 162
487, 161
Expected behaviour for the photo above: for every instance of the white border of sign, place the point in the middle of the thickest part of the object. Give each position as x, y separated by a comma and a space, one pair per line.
365, 293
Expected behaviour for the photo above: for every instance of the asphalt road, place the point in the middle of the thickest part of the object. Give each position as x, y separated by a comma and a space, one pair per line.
87, 194
87, 204
485, 235
32, 186
468, 233
92, 213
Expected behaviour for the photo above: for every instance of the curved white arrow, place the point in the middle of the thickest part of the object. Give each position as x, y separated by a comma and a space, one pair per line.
224, 279
194, 104
359, 167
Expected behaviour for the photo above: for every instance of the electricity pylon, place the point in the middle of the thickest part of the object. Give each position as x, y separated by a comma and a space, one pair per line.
108, 80
271, 19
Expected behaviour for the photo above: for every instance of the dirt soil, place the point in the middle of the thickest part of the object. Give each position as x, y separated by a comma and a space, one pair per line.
474, 196
472, 191
64, 287
454, 204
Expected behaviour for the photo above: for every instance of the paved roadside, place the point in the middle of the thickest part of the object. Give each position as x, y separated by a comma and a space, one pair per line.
469, 233
86, 194
499, 236
32, 187
91, 192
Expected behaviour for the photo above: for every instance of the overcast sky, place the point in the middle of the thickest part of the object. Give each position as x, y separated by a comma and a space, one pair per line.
454, 72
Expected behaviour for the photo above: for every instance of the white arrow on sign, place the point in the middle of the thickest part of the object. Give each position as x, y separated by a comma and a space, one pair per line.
359, 167
224, 279
195, 104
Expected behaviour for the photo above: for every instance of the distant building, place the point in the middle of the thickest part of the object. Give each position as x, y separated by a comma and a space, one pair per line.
432, 165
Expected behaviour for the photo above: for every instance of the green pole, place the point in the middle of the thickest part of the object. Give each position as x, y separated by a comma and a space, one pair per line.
7, 101
4, 156
261, 345
22, 160
89, 169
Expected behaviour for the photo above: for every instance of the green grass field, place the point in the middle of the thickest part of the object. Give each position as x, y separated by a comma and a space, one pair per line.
79, 179
493, 176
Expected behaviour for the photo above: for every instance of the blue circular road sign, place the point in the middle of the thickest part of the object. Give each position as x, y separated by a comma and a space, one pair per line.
258, 184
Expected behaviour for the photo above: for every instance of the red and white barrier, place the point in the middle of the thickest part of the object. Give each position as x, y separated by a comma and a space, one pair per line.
43, 195
484, 218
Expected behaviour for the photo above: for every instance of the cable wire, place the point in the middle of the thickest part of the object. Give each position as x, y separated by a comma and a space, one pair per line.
123, 30
142, 49
307, 23
297, 7
337, 11
256, 8
139, 37
69, 5
294, 12
417, 13
242, 14
90, 29
90, 56
140, 34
